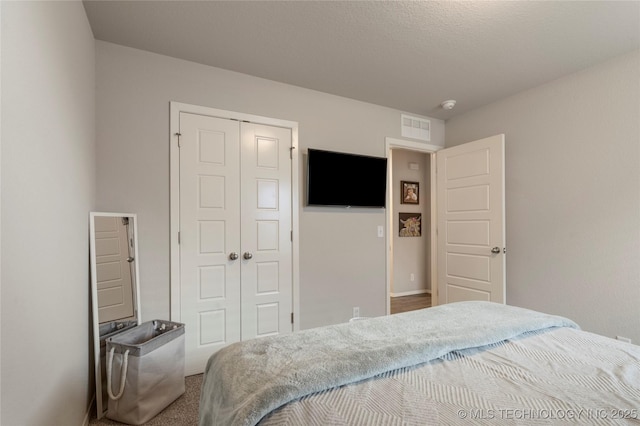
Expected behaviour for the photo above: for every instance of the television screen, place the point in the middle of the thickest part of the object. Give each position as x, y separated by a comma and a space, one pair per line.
340, 179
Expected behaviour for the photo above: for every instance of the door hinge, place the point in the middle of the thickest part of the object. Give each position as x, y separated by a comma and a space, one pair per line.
179, 143
292, 236
291, 317
178, 237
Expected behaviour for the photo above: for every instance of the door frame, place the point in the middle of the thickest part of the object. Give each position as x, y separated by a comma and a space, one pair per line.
423, 148
174, 197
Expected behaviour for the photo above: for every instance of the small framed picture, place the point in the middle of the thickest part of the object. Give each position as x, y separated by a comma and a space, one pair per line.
410, 224
410, 192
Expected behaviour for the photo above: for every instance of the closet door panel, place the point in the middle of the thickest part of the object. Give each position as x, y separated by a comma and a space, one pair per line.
209, 233
266, 230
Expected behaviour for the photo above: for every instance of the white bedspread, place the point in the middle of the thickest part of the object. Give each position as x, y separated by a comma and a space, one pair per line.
247, 380
556, 376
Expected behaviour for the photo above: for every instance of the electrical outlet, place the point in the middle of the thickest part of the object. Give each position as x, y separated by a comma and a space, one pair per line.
413, 277
356, 311
623, 339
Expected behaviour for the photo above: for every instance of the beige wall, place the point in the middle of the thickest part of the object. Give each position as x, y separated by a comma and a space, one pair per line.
410, 254
572, 194
342, 261
48, 188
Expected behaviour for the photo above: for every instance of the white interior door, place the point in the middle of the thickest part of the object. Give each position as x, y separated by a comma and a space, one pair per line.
209, 235
471, 233
235, 233
113, 269
266, 230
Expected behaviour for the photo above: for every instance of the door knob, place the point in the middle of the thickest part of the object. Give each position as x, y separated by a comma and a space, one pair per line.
130, 259
495, 250
233, 255
247, 255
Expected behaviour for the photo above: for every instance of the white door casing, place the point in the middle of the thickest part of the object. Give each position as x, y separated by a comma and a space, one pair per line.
471, 232
233, 194
113, 267
430, 221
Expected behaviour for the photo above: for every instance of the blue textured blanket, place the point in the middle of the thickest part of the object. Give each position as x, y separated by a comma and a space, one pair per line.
246, 380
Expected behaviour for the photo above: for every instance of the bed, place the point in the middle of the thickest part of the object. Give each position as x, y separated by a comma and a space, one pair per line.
477, 362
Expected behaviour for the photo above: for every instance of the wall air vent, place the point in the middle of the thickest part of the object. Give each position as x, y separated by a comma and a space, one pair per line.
415, 128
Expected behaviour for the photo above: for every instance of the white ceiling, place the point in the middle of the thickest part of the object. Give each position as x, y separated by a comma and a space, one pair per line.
408, 55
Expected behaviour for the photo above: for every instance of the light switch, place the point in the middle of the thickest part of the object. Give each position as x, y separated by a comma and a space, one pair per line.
380, 231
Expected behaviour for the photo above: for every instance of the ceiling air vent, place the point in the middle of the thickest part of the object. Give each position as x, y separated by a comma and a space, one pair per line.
415, 128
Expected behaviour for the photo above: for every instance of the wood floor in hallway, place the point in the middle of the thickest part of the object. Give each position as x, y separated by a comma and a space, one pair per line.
410, 303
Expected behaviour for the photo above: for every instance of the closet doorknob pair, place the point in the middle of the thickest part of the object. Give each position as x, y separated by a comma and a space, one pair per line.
246, 255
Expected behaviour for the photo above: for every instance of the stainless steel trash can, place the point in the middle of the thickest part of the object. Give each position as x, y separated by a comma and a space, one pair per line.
145, 370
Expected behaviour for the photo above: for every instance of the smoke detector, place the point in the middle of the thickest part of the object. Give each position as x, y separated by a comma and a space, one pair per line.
448, 104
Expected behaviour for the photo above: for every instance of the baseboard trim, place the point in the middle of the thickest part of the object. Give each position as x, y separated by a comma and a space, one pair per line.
410, 293
87, 415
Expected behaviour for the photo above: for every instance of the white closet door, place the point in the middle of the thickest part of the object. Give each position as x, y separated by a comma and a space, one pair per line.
235, 234
471, 232
209, 234
266, 231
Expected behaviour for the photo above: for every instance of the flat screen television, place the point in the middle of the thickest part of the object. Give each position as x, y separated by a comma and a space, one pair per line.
341, 179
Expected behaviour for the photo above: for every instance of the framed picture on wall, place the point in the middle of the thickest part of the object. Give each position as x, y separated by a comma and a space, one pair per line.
410, 224
410, 192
